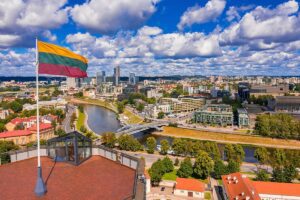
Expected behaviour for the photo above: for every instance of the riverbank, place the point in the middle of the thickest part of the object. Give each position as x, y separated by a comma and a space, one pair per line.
127, 116
229, 138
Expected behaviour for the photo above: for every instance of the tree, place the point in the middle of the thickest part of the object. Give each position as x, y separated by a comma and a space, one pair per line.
129, 143
239, 153
73, 119
156, 172
60, 132
262, 175
164, 147
120, 107
83, 129
16, 106
151, 144
203, 165
219, 169
229, 152
160, 115
19, 127
176, 163
140, 107
168, 164
278, 175
54, 124
290, 173
262, 155
233, 166
2, 127
6, 146
109, 139
186, 168
179, 146
279, 158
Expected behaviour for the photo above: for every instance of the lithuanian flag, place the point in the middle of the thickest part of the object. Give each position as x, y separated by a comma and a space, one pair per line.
56, 60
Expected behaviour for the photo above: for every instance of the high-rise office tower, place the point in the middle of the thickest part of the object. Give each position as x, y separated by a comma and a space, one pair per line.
103, 76
117, 75
132, 79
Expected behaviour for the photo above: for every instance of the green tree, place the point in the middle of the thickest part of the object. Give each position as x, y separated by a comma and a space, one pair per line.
156, 172
109, 139
233, 166
164, 147
19, 127
83, 129
203, 165
262, 155
219, 169
120, 107
16, 106
229, 152
129, 143
2, 127
290, 173
140, 107
160, 115
60, 132
6, 146
168, 164
151, 144
176, 163
179, 146
262, 175
279, 158
278, 175
186, 168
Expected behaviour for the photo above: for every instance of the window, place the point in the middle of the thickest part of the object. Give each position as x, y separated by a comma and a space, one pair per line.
181, 191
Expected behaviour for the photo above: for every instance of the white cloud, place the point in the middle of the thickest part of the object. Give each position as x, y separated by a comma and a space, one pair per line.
112, 16
278, 25
232, 14
22, 20
200, 15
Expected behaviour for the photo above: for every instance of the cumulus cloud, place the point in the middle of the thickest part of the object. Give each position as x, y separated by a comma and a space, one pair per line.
200, 15
21, 21
265, 25
112, 16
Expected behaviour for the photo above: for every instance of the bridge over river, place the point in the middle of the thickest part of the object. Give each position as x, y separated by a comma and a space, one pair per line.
132, 129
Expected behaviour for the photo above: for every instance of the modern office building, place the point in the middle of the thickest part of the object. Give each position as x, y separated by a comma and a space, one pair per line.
244, 91
243, 118
220, 114
183, 104
277, 90
132, 79
289, 104
117, 75
100, 77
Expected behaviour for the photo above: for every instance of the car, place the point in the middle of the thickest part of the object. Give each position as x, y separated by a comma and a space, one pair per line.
162, 189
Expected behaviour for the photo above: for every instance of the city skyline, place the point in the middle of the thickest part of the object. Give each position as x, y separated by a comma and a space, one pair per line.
214, 37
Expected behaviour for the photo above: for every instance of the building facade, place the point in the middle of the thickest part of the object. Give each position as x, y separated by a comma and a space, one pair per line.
117, 74
220, 114
243, 118
183, 104
188, 187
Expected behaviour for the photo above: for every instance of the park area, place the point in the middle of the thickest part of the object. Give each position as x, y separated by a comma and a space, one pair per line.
229, 138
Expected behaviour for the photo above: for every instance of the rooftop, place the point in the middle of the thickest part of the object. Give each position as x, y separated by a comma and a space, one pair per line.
287, 189
189, 184
96, 178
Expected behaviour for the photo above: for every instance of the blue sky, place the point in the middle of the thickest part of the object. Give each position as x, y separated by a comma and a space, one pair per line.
156, 37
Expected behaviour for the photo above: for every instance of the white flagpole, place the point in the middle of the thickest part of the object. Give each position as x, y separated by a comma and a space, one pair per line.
40, 188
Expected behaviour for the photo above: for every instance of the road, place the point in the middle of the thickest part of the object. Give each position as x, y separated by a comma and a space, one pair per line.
67, 121
151, 158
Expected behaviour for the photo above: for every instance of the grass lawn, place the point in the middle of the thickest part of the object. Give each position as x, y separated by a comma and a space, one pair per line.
207, 195
171, 176
95, 102
132, 118
229, 138
80, 120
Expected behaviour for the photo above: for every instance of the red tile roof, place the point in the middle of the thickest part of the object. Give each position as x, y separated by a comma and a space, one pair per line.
20, 120
43, 126
95, 179
287, 189
239, 187
189, 184
15, 133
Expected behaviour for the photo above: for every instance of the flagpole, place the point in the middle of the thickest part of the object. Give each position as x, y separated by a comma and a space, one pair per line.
40, 187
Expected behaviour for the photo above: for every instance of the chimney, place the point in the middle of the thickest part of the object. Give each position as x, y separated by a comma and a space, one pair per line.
243, 193
247, 198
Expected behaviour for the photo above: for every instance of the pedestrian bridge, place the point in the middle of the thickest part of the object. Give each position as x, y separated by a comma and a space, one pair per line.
135, 128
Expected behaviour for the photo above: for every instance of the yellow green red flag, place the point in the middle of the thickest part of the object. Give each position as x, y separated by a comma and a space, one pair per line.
56, 60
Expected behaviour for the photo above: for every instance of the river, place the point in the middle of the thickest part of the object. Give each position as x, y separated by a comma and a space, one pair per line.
102, 120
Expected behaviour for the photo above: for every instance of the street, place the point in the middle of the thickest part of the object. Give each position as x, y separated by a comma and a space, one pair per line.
66, 123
